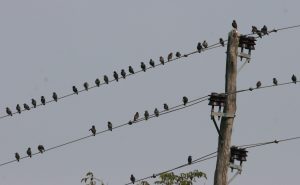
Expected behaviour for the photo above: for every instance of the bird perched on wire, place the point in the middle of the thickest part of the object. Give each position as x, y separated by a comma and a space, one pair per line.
123, 73
146, 115
264, 30
170, 56
130, 69
33, 102
54, 96
254, 29
105, 79
178, 54
185, 100
29, 152
190, 160
97, 82
162, 60
199, 47
152, 63
116, 76
8, 111
26, 107
156, 112
109, 126
258, 84
166, 107
143, 66
275, 82
75, 90
136, 116
86, 86
222, 42
17, 156
234, 24
132, 179
43, 100
93, 130
18, 108
204, 44
41, 148
294, 79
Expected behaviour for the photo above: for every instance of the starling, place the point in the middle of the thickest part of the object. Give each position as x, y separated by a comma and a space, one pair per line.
178, 54
264, 30
166, 107
254, 29
161, 59
136, 116
146, 114
132, 179
8, 111
93, 130
75, 90
185, 100
170, 56
86, 86
222, 42
130, 122
204, 44
130, 69
17, 156
258, 84
143, 66
190, 160
26, 106
123, 73
275, 82
294, 79
156, 112
54, 96
106, 79
43, 100
116, 76
97, 82
234, 24
29, 152
151, 62
18, 108
33, 102
199, 47
41, 148
109, 125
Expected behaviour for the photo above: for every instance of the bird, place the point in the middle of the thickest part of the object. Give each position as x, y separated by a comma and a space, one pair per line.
264, 30
185, 100
33, 102
109, 125
178, 54
17, 156
8, 111
75, 90
258, 84
166, 107
18, 108
143, 66
41, 148
275, 82
136, 116
116, 76
106, 79
54, 96
151, 62
199, 47
170, 56
97, 82
254, 29
29, 152
130, 122
132, 179
156, 112
123, 73
234, 24
26, 106
222, 42
130, 69
204, 44
162, 60
189, 160
294, 79
43, 100
86, 86
93, 130
146, 114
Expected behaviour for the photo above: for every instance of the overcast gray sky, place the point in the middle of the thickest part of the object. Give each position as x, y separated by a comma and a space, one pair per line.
48, 46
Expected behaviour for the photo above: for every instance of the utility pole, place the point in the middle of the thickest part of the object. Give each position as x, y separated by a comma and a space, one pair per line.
230, 108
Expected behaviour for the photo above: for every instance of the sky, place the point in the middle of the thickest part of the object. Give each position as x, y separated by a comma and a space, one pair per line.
48, 46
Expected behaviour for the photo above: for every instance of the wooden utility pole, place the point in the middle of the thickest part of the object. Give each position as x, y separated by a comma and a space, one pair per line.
230, 108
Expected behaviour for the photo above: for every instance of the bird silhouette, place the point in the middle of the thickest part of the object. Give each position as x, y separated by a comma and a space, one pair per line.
136, 116
234, 24
152, 63
264, 30
26, 107
258, 84
54, 96
18, 108
130, 122
123, 73
106, 79
75, 90
222, 42
97, 82
190, 160
143, 66
199, 47
41, 148
33, 102
93, 130
29, 152
275, 82
185, 100
17, 156
162, 60
254, 29
43, 100
156, 112
116, 76
166, 107
146, 115
86, 86
109, 126
294, 79
132, 179
130, 69
8, 111
170, 56
204, 44
178, 54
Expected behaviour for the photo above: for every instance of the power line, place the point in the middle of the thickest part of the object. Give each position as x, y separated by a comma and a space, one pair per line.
268, 142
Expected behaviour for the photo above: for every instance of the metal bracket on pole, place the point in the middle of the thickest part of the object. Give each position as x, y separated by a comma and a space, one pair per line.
239, 171
223, 114
247, 57
216, 125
